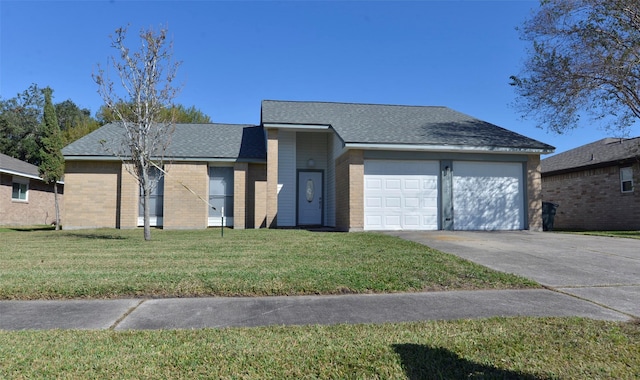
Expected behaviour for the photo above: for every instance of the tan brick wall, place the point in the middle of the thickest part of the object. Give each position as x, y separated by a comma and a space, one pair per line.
272, 178
257, 196
39, 207
240, 174
592, 200
350, 191
91, 192
182, 208
534, 193
129, 199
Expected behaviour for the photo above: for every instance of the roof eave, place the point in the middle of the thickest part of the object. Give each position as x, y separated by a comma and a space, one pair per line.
298, 127
447, 148
598, 165
169, 159
25, 175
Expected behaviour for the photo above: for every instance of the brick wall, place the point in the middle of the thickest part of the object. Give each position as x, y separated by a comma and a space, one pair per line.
350, 191
91, 194
38, 209
240, 174
129, 198
257, 196
272, 179
182, 208
534, 193
592, 200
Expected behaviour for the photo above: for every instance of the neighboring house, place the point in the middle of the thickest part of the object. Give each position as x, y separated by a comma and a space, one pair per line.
24, 198
594, 185
352, 167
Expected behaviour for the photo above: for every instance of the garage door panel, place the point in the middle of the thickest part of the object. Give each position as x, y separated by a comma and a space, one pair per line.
408, 195
488, 196
413, 203
411, 184
373, 202
393, 202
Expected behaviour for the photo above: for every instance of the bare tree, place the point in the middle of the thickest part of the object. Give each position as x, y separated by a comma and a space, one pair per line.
585, 61
146, 79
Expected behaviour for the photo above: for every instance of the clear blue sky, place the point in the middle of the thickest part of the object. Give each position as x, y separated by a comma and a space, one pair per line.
458, 54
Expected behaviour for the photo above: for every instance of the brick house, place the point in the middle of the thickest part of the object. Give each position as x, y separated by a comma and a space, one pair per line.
25, 199
594, 185
348, 166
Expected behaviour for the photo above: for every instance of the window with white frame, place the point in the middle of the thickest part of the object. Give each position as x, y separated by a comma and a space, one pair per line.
221, 191
20, 189
156, 198
626, 179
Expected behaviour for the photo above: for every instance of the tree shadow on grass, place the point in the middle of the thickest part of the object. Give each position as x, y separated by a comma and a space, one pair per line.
97, 236
424, 362
44, 227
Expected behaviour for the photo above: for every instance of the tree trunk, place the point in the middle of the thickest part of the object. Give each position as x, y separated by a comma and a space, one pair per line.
147, 215
57, 206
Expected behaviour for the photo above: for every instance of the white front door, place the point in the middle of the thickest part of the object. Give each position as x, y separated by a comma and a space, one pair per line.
310, 198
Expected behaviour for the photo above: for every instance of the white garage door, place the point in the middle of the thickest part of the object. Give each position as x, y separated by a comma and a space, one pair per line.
400, 195
488, 196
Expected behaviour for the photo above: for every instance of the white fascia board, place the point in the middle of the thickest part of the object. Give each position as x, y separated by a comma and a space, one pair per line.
91, 158
299, 127
445, 148
166, 159
19, 174
30, 176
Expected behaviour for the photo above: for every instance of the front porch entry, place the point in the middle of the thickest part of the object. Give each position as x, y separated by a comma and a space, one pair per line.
310, 198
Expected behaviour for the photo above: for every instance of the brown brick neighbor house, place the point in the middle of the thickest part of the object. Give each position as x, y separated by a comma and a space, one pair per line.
348, 166
25, 199
594, 185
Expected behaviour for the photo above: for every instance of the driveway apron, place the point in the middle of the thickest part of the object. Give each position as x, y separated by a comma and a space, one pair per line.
602, 270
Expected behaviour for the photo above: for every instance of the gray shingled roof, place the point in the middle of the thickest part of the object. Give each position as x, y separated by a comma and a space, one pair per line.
12, 165
189, 141
396, 124
598, 153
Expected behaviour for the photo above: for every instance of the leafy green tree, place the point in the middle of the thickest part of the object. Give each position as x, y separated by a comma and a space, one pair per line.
146, 77
177, 112
20, 118
74, 121
584, 61
51, 166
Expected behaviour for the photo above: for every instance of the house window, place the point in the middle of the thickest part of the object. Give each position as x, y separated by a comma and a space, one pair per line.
20, 190
626, 179
221, 191
156, 199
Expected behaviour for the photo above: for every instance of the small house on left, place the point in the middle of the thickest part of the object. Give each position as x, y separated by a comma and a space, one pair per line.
25, 199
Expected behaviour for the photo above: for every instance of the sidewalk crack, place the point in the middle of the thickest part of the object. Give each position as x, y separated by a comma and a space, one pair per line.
126, 314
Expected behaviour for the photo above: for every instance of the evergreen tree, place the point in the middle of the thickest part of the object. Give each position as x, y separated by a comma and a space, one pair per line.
51, 160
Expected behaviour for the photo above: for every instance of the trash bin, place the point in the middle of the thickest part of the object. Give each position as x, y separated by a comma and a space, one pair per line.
548, 214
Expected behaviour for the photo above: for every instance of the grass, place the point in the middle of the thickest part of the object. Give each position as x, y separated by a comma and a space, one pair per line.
620, 234
498, 348
119, 263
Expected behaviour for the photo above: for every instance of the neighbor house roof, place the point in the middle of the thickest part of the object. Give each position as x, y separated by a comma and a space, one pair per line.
377, 124
189, 141
13, 166
596, 154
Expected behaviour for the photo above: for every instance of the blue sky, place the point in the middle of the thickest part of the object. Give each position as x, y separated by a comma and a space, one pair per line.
458, 54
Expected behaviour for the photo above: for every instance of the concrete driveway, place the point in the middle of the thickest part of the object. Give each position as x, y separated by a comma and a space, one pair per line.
602, 270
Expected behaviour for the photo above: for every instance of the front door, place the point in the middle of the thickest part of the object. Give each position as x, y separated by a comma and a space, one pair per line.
310, 198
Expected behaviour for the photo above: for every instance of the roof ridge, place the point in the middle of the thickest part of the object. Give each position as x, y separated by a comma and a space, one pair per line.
351, 103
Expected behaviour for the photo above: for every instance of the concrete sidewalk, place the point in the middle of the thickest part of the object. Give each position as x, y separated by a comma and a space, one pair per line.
218, 312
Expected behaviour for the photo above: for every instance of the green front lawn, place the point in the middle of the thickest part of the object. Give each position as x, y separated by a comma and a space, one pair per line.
497, 348
111, 263
620, 234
